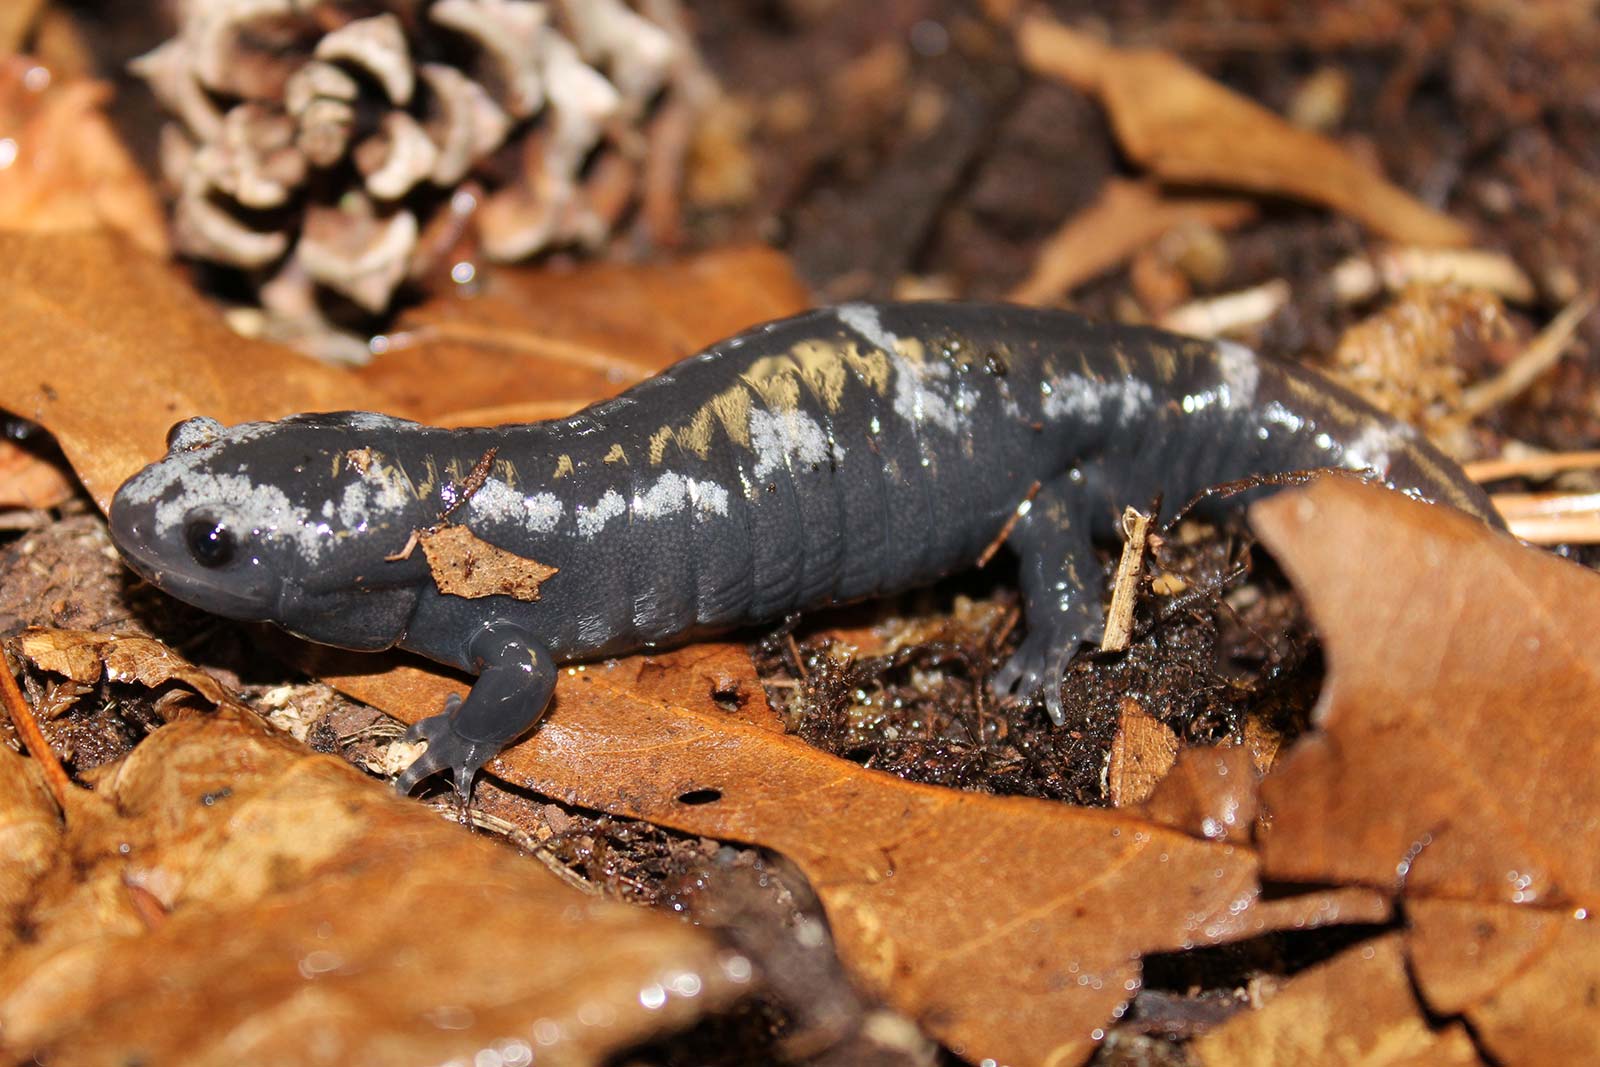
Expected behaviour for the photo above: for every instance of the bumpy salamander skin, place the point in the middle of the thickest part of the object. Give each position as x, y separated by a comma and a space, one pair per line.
834, 456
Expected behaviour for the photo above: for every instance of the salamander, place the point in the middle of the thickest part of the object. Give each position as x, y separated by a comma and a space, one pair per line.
841, 454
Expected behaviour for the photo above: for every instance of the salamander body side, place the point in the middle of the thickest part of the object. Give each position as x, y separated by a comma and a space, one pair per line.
838, 455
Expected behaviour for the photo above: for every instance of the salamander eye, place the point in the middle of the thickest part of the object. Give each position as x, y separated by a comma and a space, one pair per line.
210, 542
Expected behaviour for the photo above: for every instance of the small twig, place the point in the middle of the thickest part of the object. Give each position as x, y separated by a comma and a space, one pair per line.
1359, 278
799, 663
1538, 465
522, 839
1230, 312
27, 727
1007, 624
1125, 588
1020, 510
1540, 355
475, 479
1224, 490
1557, 530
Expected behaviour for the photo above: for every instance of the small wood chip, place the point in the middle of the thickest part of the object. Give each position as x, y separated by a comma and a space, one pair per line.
1119, 618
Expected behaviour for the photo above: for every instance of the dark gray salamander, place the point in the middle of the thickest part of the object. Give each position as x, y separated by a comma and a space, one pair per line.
837, 455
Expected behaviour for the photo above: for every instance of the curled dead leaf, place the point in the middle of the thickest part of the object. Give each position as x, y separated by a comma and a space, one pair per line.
1187, 128
1459, 729
86, 656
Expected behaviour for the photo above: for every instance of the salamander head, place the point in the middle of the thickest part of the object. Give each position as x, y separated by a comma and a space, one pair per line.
242, 521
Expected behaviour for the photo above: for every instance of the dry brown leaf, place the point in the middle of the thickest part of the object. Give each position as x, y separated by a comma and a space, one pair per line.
84, 311
1356, 1009
296, 911
712, 677
1210, 792
30, 830
16, 22
1010, 928
465, 565
1463, 677
27, 480
70, 170
86, 656
1127, 216
1459, 731
566, 339
1187, 128
1526, 978
1142, 753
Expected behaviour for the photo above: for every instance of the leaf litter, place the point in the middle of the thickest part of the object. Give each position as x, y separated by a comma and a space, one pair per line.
225, 895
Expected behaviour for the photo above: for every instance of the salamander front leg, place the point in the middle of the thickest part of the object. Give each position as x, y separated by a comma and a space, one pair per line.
1061, 586
516, 677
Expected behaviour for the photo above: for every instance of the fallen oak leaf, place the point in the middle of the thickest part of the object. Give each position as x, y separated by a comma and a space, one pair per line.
567, 338
82, 309
1507, 968
1011, 928
296, 912
1187, 128
1459, 728
1442, 627
1356, 1008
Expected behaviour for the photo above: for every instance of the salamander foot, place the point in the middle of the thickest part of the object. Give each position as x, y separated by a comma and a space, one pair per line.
1038, 665
447, 750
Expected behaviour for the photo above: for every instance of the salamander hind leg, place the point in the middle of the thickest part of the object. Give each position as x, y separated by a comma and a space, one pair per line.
515, 680
1061, 587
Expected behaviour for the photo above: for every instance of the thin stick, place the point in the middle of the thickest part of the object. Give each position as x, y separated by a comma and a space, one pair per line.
1551, 518
1557, 530
1540, 355
1228, 313
1011, 524
1546, 505
55, 775
1361, 277
1540, 465
1124, 591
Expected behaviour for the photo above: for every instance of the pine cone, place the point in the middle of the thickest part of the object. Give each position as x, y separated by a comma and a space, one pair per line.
315, 140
